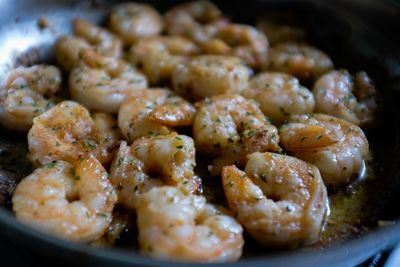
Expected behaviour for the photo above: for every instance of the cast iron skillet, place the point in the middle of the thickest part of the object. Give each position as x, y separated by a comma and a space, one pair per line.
357, 34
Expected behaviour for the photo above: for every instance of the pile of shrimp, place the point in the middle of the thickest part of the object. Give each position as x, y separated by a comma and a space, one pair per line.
278, 125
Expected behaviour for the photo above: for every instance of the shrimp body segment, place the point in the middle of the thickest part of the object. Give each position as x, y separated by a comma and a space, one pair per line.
26, 93
338, 95
338, 148
279, 95
154, 161
230, 127
281, 200
176, 226
72, 202
153, 111
209, 75
67, 131
133, 21
102, 83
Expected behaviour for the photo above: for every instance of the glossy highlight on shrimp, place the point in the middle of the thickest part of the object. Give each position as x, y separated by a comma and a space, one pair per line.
26, 93
154, 161
153, 112
337, 147
74, 202
67, 131
183, 227
280, 200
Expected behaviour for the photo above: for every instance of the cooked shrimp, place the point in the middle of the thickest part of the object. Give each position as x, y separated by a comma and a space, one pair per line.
305, 62
102, 83
279, 95
280, 200
74, 203
281, 32
67, 131
176, 226
197, 20
242, 41
154, 161
338, 148
157, 56
152, 112
204, 76
230, 127
133, 21
338, 95
26, 93
87, 36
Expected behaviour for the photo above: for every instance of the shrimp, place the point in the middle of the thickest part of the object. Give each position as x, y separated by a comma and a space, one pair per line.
87, 36
242, 41
338, 148
336, 94
281, 32
101, 83
157, 56
27, 92
133, 21
279, 95
152, 112
72, 202
153, 161
204, 76
197, 20
305, 62
67, 131
229, 127
280, 200
176, 226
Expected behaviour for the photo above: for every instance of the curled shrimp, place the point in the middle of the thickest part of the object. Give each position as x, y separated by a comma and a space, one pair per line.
67, 131
338, 95
280, 200
229, 127
281, 32
209, 75
153, 161
133, 21
157, 56
197, 20
72, 202
87, 36
102, 83
176, 226
152, 112
27, 92
305, 62
279, 95
242, 41
338, 148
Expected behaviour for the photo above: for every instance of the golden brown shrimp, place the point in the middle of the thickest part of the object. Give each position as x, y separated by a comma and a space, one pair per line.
176, 226
154, 161
229, 127
281, 32
305, 62
338, 148
133, 21
197, 20
26, 93
157, 56
338, 95
87, 36
102, 83
152, 112
280, 200
67, 131
279, 95
208, 75
72, 202
242, 41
